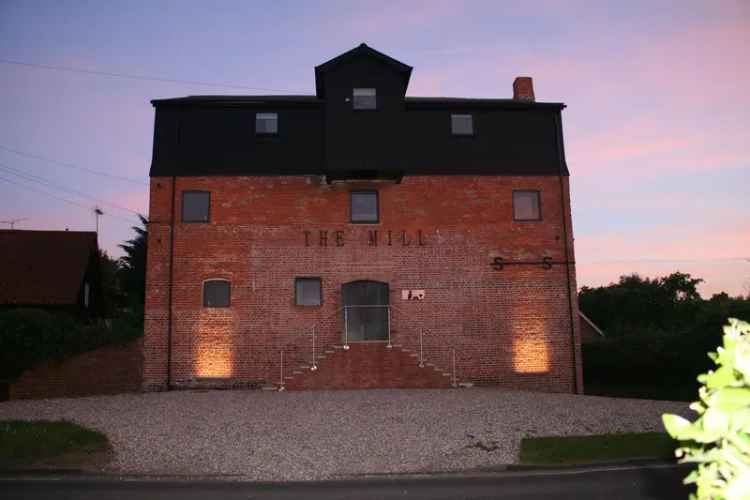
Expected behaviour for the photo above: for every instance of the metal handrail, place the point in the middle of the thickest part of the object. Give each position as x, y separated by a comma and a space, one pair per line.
446, 347
308, 330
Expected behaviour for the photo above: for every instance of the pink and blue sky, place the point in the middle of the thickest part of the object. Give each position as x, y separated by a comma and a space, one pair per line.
657, 126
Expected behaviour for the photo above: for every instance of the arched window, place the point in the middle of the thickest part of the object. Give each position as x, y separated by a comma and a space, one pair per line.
216, 293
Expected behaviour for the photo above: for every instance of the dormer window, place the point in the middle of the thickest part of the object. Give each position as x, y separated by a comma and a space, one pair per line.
364, 99
266, 123
462, 124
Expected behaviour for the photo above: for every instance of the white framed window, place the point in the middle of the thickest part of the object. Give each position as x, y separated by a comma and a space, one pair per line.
462, 124
196, 206
307, 292
364, 207
526, 205
266, 123
364, 98
216, 293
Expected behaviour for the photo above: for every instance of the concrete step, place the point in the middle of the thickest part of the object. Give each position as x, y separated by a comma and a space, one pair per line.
466, 385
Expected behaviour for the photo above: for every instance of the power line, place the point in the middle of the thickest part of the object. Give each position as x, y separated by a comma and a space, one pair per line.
71, 165
80, 205
60, 187
137, 77
12, 222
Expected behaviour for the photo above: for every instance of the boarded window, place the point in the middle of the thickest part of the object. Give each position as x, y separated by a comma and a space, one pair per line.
364, 99
216, 293
266, 123
526, 205
462, 125
307, 292
364, 206
195, 206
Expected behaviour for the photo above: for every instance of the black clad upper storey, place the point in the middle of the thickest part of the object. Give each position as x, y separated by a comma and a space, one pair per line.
324, 135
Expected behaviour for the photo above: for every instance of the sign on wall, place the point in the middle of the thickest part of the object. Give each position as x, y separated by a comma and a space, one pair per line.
412, 294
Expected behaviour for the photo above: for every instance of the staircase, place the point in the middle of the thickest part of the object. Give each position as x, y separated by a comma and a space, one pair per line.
366, 365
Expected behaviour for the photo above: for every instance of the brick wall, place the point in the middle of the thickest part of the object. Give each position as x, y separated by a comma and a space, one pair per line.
107, 370
509, 327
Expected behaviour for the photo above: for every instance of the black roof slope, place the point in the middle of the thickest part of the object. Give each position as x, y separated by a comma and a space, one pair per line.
321, 134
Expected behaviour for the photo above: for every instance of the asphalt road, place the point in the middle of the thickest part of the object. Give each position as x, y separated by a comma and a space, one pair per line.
655, 482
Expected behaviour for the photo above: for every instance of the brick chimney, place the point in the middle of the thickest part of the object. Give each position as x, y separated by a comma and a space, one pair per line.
523, 89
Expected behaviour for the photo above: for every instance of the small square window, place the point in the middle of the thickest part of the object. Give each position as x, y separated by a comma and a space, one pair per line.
364, 206
307, 292
216, 293
266, 123
196, 206
526, 205
364, 99
462, 124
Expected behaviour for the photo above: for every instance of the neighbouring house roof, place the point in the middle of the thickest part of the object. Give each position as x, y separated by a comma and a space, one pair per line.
43, 267
591, 324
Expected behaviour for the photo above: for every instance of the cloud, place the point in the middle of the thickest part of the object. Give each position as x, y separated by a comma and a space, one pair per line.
707, 240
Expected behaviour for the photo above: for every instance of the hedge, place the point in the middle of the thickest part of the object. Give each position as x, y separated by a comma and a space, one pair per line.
29, 336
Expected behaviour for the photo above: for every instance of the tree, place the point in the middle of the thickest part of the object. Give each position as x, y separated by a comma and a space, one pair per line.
635, 305
132, 266
109, 289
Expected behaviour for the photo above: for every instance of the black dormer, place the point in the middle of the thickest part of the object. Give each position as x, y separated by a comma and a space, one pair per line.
360, 140
359, 53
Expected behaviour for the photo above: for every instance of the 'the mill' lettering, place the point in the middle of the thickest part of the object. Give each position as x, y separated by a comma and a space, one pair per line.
375, 237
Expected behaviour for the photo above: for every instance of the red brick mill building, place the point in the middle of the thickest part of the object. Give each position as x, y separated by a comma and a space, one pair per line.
360, 238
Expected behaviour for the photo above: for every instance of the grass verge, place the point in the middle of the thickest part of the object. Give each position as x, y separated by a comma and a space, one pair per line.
47, 443
593, 449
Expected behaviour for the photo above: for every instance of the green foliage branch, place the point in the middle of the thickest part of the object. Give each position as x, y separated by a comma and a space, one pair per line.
719, 439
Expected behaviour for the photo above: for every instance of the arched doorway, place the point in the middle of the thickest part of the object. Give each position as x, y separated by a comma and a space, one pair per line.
365, 310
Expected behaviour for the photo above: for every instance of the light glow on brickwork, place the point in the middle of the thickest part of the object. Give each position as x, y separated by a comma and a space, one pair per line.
213, 353
530, 355
531, 350
212, 362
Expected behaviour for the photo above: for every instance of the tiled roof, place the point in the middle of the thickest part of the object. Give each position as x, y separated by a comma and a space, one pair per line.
43, 267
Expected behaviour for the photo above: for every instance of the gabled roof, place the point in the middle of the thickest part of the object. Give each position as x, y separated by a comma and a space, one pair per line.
361, 50
43, 267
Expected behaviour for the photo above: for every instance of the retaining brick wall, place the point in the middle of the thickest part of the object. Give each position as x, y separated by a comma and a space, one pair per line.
107, 370
509, 327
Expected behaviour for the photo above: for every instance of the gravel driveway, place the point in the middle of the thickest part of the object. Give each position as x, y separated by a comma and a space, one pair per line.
325, 434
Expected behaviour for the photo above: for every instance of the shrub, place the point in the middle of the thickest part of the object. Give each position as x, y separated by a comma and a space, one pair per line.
719, 440
28, 336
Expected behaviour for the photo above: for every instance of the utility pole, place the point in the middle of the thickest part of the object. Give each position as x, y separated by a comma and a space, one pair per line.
97, 213
12, 222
